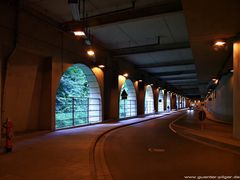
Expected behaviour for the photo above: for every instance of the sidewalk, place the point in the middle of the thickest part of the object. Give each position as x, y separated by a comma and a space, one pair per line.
210, 132
58, 155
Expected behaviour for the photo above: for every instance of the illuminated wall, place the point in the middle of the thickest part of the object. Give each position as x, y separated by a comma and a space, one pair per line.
128, 107
168, 101
161, 101
148, 101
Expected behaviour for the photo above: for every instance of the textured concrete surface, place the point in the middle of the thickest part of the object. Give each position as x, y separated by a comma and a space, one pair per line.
151, 150
57, 155
214, 133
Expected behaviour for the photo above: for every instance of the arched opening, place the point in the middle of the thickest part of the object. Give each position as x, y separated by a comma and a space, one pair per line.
177, 101
148, 101
78, 98
127, 102
184, 102
160, 101
168, 101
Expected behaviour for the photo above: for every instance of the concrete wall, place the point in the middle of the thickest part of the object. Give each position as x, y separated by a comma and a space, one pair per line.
221, 106
27, 92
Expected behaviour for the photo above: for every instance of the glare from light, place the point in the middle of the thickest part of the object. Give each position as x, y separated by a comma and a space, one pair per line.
101, 66
213, 79
139, 80
125, 75
231, 70
219, 43
79, 33
90, 52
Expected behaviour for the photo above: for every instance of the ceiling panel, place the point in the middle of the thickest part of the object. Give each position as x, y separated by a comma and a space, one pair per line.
172, 55
170, 68
177, 26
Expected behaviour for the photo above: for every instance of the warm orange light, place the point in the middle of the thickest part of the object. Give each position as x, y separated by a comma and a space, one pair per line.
101, 66
90, 52
79, 33
219, 43
125, 75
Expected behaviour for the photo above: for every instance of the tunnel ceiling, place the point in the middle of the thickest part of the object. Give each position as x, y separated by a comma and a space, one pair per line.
169, 39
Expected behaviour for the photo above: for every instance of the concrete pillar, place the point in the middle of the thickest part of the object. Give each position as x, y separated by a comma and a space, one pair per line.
236, 91
0, 95
140, 98
155, 96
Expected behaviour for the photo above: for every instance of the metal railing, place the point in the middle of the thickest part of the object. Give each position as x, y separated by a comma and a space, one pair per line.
129, 108
149, 107
78, 111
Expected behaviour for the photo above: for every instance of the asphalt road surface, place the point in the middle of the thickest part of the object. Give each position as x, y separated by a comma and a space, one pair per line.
150, 150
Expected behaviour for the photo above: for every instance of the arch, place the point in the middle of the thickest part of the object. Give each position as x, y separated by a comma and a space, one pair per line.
128, 107
168, 101
149, 100
161, 101
78, 98
177, 101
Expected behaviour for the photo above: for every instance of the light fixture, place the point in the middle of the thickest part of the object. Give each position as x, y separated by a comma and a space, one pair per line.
213, 79
139, 80
151, 84
125, 75
101, 66
219, 43
79, 33
231, 70
90, 52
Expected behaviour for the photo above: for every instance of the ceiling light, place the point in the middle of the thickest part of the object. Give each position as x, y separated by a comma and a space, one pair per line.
101, 66
79, 33
125, 75
90, 52
219, 43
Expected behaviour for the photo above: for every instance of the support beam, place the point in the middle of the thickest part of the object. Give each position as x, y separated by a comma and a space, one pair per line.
167, 64
174, 73
179, 78
149, 48
126, 14
236, 92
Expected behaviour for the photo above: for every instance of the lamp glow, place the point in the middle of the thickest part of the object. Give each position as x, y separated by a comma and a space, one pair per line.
90, 52
125, 75
79, 33
219, 43
139, 80
101, 66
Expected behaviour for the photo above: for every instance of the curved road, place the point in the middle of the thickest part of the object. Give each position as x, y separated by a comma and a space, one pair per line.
150, 150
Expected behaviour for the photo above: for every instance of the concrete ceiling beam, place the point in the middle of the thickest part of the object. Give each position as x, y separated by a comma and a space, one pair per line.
125, 15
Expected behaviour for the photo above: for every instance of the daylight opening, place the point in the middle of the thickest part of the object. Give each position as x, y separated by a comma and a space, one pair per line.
78, 98
127, 100
148, 102
160, 101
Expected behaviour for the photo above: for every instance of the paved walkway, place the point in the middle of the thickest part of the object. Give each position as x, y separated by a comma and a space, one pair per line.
208, 131
56, 155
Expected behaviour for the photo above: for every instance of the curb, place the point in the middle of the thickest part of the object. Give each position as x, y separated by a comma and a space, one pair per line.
189, 134
92, 151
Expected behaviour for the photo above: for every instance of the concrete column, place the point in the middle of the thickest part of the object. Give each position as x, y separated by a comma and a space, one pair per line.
236, 90
140, 99
155, 95
0, 96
